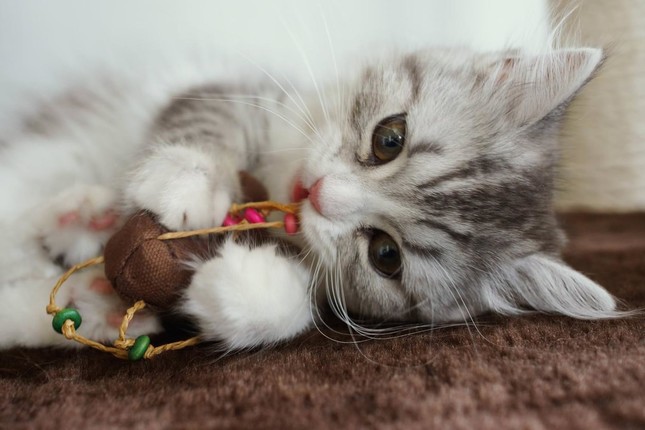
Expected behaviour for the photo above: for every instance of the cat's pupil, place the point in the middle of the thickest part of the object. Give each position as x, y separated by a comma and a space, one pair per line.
384, 254
393, 141
388, 138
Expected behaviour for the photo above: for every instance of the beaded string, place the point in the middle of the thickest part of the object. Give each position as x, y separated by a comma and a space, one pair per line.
67, 320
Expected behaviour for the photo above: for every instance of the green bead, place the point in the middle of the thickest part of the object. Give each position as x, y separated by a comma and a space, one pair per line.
139, 348
64, 315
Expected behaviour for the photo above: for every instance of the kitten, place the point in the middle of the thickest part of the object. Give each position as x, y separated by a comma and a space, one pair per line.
428, 185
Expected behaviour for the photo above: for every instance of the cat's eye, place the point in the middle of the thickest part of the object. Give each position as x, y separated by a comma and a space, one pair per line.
388, 138
384, 254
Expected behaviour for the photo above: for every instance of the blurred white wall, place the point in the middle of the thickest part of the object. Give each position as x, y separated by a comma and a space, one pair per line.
40, 40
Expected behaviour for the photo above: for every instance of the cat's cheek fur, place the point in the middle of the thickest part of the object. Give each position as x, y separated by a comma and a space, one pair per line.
249, 297
184, 186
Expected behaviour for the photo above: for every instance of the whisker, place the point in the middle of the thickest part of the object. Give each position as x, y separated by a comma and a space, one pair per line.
221, 97
305, 110
463, 308
318, 317
282, 117
304, 104
308, 66
333, 56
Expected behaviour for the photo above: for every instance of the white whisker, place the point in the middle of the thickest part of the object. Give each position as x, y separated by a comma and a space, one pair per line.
333, 56
302, 107
323, 106
222, 97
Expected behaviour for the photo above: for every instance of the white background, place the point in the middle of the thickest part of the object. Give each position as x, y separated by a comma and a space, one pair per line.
42, 40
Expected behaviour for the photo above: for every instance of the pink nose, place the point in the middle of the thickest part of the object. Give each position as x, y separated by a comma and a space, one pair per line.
314, 195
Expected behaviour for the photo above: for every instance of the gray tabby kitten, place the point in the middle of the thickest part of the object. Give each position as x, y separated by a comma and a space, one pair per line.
427, 178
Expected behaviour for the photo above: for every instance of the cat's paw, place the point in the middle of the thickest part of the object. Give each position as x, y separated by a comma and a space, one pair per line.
76, 224
183, 186
249, 297
101, 308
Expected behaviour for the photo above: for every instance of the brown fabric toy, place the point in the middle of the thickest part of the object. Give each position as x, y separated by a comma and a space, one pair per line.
142, 267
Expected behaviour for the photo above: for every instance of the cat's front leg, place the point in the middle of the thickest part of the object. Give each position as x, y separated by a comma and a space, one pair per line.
249, 297
187, 187
188, 172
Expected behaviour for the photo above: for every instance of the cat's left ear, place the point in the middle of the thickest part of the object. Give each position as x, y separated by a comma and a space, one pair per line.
547, 284
532, 87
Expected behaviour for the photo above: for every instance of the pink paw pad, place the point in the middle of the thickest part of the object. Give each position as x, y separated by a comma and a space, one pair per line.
68, 218
101, 286
114, 319
104, 221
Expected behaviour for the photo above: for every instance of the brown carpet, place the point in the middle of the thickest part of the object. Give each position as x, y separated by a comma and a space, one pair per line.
533, 372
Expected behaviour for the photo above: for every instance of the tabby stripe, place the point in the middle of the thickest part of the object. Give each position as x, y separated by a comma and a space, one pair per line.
450, 176
189, 121
355, 114
182, 108
414, 73
479, 166
454, 234
191, 135
207, 112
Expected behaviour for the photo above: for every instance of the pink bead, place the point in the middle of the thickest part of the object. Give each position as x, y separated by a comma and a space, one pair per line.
229, 221
290, 224
253, 216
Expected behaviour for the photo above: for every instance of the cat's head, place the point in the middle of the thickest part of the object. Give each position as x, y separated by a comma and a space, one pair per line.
431, 188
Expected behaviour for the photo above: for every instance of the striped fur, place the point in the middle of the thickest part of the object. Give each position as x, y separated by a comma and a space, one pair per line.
469, 198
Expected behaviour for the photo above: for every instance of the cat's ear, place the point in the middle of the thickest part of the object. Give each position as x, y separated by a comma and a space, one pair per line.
532, 87
548, 285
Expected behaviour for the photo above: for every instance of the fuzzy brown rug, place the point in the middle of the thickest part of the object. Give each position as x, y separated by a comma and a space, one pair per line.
532, 372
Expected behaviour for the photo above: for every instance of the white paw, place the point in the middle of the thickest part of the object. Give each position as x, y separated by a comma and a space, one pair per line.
185, 187
101, 308
76, 224
248, 298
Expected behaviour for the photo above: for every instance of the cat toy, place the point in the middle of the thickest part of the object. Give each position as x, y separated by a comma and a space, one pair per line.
144, 261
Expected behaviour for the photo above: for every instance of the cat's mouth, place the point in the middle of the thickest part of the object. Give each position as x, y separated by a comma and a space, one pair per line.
298, 191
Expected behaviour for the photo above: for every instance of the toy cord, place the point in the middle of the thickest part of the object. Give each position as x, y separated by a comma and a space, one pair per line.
67, 320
